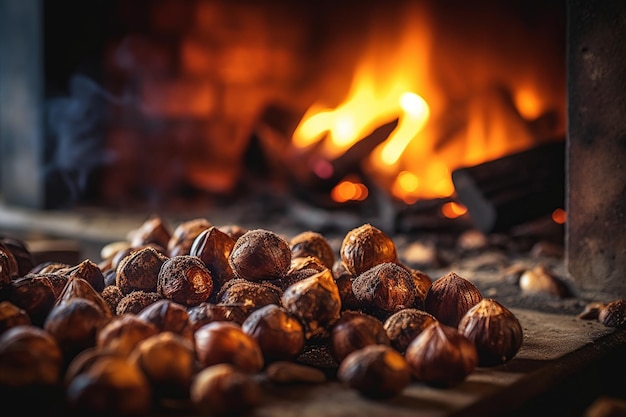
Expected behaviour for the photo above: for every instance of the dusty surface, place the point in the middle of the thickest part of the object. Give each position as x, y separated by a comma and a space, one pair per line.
552, 343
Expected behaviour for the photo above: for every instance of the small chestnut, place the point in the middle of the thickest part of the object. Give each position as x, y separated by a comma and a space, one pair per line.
494, 330
226, 342
441, 356
260, 255
223, 389
366, 246
376, 371
449, 298
278, 332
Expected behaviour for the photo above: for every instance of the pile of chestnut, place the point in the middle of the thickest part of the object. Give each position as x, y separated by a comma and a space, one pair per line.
202, 316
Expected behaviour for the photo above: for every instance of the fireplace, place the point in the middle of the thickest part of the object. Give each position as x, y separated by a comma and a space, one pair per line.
137, 105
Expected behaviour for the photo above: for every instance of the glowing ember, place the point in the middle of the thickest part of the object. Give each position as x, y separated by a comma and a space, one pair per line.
453, 210
349, 191
559, 216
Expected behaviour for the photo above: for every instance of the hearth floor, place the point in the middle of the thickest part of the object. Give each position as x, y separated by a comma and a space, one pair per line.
564, 364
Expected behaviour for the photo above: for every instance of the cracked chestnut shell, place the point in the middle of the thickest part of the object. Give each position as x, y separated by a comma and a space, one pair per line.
495, 331
366, 246
403, 326
87, 270
441, 356
185, 280
376, 371
450, 297
139, 270
260, 255
315, 301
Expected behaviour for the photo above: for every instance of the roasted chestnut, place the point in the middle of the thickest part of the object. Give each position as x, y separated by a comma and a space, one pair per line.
139, 270
384, 289
154, 230
260, 255
168, 316
315, 301
355, 330
613, 314
225, 342
213, 247
441, 356
310, 243
366, 246
184, 234
449, 298
185, 280
376, 371
123, 333
495, 331
278, 332
29, 356
168, 362
403, 326
223, 389
74, 324
111, 386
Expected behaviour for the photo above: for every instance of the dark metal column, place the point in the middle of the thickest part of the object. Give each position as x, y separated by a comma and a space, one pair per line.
596, 153
21, 99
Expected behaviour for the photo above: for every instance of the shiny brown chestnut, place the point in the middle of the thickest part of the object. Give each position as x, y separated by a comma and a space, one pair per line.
495, 331
223, 389
213, 247
168, 362
29, 356
353, 331
449, 298
376, 371
278, 332
441, 356
260, 254
366, 246
226, 342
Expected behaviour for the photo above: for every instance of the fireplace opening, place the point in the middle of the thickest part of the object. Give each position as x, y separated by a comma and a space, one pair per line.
337, 105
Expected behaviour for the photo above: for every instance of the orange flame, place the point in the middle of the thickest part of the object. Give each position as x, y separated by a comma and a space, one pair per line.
444, 121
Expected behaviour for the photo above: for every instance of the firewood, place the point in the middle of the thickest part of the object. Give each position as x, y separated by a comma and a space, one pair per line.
515, 189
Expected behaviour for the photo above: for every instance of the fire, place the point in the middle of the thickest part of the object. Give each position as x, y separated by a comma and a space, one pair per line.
446, 120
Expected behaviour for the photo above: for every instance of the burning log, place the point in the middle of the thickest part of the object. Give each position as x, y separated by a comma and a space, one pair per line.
514, 189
